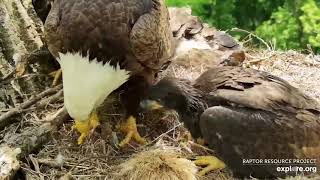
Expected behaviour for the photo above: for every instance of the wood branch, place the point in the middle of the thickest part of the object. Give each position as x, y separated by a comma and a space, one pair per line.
33, 138
7, 76
52, 99
18, 146
6, 119
9, 162
50, 162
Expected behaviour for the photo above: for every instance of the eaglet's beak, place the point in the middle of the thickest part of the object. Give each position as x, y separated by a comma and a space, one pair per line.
148, 105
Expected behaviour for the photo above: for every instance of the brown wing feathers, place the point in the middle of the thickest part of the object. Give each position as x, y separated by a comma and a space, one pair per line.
254, 89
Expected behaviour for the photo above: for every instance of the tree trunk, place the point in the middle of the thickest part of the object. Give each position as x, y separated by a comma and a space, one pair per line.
23, 64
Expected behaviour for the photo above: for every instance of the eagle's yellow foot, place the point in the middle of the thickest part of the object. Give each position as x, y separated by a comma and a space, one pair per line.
84, 127
211, 163
130, 127
56, 75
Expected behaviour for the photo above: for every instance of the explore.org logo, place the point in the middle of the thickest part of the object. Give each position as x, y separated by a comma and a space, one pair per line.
298, 169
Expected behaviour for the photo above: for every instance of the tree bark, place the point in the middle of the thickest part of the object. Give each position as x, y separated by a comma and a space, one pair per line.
17, 146
24, 62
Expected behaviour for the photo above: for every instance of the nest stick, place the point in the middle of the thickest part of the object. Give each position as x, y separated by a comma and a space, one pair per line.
6, 119
33, 138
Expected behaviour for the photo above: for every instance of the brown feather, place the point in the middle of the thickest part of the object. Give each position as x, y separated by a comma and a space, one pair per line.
254, 89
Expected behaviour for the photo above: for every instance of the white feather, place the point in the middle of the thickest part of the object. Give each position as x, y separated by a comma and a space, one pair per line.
86, 83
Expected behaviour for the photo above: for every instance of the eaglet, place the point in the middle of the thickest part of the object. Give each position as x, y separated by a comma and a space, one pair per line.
244, 114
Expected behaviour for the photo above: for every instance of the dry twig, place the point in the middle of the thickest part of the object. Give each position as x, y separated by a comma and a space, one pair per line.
52, 99
254, 35
7, 76
257, 60
170, 130
32, 138
5, 118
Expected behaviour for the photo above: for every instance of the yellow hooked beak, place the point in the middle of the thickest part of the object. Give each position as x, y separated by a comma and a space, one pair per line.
150, 105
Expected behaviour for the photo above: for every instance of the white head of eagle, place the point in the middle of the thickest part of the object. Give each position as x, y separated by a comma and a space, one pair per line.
86, 84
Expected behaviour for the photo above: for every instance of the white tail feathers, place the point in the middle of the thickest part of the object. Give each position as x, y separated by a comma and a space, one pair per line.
87, 83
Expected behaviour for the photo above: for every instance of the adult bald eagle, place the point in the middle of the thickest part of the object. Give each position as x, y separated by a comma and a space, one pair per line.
102, 45
244, 114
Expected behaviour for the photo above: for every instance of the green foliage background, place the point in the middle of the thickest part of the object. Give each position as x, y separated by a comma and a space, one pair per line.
289, 24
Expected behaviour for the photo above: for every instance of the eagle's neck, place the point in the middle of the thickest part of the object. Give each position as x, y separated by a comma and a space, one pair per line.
191, 114
190, 106
86, 83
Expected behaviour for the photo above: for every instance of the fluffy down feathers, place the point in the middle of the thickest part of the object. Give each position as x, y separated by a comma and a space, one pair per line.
157, 164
